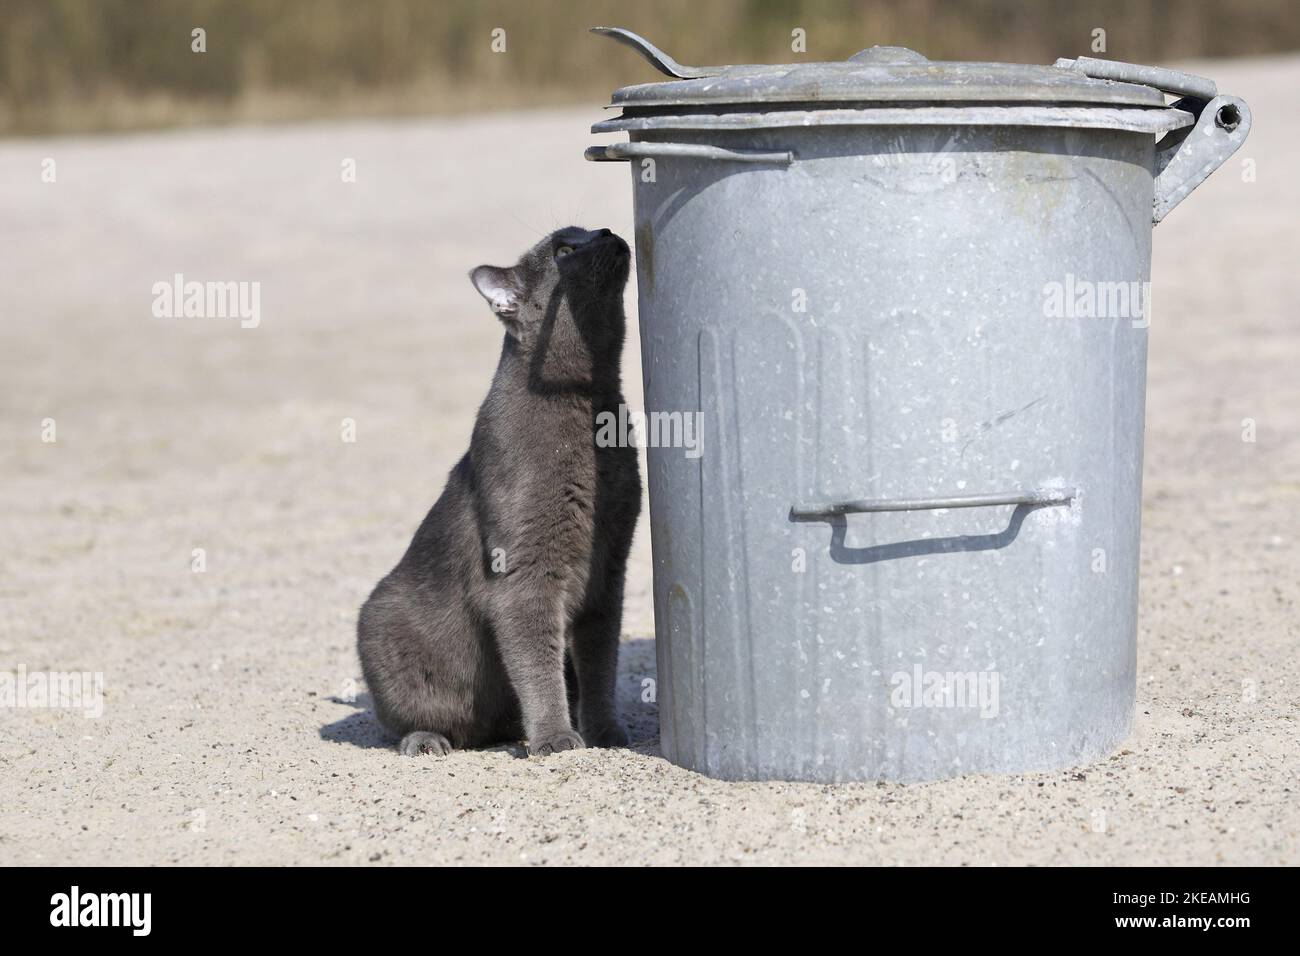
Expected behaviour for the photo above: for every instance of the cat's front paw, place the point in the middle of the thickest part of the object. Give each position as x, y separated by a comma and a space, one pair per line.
609, 734
420, 742
554, 743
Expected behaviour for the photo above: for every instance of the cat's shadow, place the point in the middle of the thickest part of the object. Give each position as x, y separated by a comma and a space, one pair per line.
636, 706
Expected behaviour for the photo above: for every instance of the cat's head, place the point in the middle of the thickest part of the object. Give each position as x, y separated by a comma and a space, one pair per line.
570, 282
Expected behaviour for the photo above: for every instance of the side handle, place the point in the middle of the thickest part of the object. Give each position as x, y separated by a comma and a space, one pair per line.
622, 152
1037, 498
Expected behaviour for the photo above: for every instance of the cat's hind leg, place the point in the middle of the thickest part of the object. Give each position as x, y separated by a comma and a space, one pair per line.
415, 648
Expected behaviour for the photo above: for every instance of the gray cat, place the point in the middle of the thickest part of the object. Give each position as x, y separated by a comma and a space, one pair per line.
502, 619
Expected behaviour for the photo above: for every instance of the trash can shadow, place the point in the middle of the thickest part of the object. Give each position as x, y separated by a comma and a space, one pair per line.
842, 553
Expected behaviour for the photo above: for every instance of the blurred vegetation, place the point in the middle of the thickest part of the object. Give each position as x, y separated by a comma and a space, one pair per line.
72, 65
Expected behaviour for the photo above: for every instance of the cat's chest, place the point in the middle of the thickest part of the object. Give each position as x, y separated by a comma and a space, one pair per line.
577, 480
564, 467
570, 477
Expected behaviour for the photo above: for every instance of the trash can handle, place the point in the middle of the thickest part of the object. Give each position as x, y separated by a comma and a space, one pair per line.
1186, 157
656, 57
1037, 498
1171, 81
622, 152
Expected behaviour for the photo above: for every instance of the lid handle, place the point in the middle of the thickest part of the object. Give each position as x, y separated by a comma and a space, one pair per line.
656, 57
1171, 81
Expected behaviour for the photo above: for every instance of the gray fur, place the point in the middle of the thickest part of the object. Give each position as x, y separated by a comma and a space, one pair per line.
458, 652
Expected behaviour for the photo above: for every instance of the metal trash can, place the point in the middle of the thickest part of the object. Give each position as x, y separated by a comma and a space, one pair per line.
909, 301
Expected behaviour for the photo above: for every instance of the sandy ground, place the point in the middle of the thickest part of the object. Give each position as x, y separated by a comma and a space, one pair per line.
228, 735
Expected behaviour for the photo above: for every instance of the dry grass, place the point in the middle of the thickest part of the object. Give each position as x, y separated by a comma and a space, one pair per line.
86, 65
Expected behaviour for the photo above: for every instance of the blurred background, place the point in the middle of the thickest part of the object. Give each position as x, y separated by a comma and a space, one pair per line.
91, 65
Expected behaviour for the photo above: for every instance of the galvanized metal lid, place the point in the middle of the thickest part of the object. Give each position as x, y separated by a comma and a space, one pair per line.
888, 76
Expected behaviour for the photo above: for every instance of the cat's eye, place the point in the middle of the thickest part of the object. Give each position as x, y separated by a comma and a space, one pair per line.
563, 251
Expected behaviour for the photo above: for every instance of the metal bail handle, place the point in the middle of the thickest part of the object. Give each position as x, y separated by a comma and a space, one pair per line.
1185, 158
1037, 498
1170, 81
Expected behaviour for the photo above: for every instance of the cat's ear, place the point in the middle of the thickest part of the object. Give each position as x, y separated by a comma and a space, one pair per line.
500, 287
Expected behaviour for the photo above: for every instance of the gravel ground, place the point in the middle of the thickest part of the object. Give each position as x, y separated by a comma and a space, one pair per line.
229, 735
